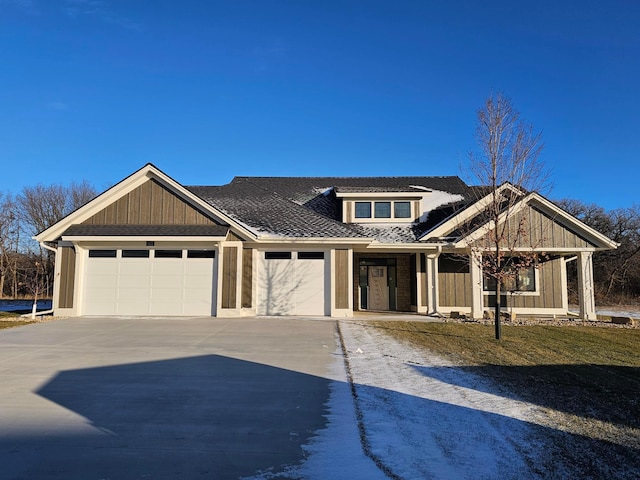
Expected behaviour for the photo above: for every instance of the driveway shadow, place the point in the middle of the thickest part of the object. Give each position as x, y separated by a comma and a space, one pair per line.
199, 417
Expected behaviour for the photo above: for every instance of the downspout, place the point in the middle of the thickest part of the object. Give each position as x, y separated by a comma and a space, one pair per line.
435, 312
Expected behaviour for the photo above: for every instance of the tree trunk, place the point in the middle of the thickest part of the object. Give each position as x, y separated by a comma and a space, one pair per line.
497, 311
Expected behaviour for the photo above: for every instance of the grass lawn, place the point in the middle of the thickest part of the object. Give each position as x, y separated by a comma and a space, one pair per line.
586, 381
9, 319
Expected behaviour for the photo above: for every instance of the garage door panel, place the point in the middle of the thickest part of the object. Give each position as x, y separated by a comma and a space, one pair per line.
167, 282
148, 286
133, 281
103, 266
292, 287
168, 267
101, 296
133, 308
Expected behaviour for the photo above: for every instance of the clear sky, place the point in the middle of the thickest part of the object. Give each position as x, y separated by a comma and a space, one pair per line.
207, 89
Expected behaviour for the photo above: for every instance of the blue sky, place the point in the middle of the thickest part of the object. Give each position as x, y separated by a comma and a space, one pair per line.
207, 90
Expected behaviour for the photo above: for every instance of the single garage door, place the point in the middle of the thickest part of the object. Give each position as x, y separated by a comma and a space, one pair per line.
149, 282
292, 283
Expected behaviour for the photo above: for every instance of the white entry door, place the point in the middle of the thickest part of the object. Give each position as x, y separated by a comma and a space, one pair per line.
378, 288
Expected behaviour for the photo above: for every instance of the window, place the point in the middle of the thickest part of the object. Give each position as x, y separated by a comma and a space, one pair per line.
382, 209
201, 254
102, 253
523, 280
311, 255
402, 209
363, 209
135, 253
277, 255
168, 254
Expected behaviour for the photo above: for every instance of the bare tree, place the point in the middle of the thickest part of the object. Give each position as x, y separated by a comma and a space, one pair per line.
617, 272
41, 206
507, 166
8, 225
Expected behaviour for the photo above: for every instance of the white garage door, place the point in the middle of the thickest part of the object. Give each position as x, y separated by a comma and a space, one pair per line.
148, 282
291, 283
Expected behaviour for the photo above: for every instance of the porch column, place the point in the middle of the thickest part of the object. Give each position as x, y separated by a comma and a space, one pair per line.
432, 283
585, 286
475, 268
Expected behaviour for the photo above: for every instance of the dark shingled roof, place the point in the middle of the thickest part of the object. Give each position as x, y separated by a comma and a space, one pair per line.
146, 230
308, 207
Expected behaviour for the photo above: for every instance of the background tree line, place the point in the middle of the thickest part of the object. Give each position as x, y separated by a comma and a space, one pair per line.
616, 272
26, 269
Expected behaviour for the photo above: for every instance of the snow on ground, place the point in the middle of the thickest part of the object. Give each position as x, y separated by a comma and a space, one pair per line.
423, 419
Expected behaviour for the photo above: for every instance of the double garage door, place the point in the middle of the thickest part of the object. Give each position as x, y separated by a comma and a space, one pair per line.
292, 283
149, 282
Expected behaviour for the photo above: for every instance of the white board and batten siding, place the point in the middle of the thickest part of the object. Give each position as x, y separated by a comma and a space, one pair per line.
293, 283
162, 286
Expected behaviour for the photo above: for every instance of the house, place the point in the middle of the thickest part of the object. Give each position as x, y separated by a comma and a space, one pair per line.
303, 246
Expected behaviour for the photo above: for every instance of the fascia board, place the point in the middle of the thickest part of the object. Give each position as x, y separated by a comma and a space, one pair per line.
404, 246
316, 240
375, 195
150, 238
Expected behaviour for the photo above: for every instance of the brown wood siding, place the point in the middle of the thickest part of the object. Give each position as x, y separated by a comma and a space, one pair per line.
416, 210
454, 281
348, 206
67, 277
232, 237
550, 294
423, 280
229, 275
149, 204
542, 231
342, 279
247, 278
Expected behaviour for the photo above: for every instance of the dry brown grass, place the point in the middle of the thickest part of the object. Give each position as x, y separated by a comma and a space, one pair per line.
586, 381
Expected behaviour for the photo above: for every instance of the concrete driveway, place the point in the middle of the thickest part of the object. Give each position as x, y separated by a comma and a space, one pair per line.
125, 398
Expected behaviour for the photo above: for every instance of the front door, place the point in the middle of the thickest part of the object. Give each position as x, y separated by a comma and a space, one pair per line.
378, 288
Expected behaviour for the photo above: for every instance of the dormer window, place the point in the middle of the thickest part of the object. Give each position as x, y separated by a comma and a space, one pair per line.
382, 210
363, 209
402, 209
380, 206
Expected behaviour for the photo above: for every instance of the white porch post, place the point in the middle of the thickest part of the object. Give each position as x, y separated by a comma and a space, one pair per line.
432, 283
585, 286
475, 268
